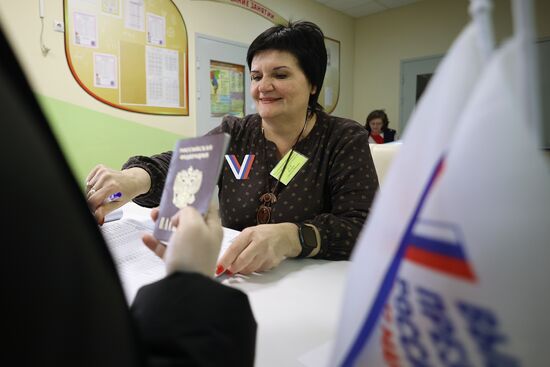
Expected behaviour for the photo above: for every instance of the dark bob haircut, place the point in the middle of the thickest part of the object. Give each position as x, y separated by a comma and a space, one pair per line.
306, 42
378, 114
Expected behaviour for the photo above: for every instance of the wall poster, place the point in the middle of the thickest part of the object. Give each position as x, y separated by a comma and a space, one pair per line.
226, 89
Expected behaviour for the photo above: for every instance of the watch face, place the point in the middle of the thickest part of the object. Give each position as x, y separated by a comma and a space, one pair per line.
308, 234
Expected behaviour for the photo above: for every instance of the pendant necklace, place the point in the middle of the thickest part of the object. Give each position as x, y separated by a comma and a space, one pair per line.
263, 215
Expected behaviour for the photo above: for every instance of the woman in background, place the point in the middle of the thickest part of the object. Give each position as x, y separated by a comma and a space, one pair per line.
377, 126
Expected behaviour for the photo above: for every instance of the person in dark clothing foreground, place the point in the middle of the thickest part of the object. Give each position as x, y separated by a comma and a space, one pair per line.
62, 300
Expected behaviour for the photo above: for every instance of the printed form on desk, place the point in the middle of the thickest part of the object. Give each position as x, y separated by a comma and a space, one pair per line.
136, 264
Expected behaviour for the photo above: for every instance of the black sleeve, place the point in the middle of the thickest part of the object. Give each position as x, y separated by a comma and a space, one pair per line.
353, 183
389, 135
157, 168
187, 319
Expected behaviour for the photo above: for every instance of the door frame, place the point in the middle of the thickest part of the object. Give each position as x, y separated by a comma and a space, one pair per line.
409, 69
204, 122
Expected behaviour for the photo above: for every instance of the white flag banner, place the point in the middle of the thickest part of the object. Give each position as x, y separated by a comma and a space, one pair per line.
426, 138
468, 284
493, 194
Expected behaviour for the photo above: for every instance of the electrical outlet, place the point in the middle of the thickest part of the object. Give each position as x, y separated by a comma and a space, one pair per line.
58, 26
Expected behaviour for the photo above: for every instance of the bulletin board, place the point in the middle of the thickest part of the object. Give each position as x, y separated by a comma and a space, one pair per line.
130, 54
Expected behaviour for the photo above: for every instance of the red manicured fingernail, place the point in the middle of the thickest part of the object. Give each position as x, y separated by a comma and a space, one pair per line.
228, 272
219, 270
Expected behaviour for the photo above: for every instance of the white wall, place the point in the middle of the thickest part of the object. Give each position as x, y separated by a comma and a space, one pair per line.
426, 28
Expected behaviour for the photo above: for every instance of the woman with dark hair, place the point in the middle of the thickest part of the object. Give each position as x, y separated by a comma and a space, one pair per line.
312, 180
377, 126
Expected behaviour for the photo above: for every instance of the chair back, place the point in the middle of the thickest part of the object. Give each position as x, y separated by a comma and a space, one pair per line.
382, 155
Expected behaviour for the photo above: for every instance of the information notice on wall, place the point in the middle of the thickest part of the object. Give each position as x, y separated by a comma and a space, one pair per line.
226, 89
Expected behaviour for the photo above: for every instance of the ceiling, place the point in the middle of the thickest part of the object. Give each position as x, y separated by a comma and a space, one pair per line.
360, 8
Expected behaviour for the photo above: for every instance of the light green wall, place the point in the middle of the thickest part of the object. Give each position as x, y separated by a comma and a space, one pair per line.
88, 137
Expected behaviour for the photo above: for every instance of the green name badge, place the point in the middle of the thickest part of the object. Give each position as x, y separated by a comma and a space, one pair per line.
296, 162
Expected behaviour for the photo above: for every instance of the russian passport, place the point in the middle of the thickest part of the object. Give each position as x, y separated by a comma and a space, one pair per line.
192, 177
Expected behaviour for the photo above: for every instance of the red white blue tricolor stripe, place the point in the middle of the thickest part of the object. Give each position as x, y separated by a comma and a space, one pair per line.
241, 171
438, 246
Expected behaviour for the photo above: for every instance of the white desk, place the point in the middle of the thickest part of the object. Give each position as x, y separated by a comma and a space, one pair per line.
296, 305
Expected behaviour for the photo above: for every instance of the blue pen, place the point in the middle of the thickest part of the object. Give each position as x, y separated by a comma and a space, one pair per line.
114, 197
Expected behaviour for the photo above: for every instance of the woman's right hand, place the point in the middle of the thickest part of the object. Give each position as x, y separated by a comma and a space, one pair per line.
103, 182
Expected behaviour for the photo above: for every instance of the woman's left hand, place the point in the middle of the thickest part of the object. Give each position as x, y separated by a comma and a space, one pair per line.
260, 248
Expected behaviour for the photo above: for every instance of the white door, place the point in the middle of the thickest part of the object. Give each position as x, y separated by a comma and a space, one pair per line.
415, 75
208, 50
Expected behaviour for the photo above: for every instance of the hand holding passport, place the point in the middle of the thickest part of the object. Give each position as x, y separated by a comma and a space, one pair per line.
192, 176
